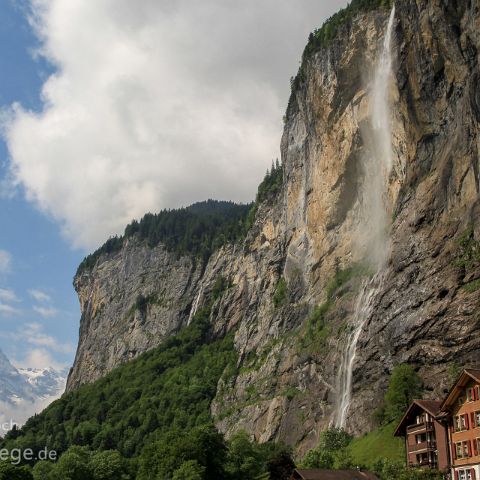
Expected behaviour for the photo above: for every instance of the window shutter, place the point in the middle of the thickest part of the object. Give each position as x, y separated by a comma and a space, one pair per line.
454, 451
466, 421
469, 445
476, 392
456, 475
472, 473
475, 447
472, 416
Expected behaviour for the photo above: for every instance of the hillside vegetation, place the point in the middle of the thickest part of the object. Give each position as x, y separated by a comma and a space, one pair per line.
149, 418
197, 230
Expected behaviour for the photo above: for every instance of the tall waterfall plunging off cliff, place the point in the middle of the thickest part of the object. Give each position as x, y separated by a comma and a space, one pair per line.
363, 308
377, 169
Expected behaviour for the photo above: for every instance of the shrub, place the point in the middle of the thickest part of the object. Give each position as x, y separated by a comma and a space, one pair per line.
405, 385
280, 296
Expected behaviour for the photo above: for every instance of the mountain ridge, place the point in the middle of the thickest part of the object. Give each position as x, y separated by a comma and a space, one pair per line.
294, 278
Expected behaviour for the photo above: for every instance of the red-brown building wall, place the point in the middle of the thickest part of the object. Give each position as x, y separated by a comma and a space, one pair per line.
442, 446
470, 434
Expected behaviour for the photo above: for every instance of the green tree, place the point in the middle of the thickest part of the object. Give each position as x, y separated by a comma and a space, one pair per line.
202, 444
390, 470
343, 460
11, 472
317, 458
244, 459
189, 470
108, 465
73, 465
281, 293
405, 385
330, 451
43, 470
334, 439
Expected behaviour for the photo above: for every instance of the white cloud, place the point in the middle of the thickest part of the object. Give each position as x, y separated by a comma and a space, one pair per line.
39, 295
6, 309
33, 334
5, 262
22, 411
155, 104
38, 358
8, 295
45, 312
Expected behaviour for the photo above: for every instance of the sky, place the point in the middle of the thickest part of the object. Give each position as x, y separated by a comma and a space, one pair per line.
111, 109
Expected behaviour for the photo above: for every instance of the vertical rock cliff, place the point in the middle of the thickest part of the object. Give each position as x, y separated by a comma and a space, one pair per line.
297, 277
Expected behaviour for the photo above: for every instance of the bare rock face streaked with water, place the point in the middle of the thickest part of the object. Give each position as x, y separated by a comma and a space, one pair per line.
317, 236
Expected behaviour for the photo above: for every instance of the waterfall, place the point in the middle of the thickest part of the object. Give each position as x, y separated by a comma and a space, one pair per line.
377, 170
380, 105
363, 308
195, 304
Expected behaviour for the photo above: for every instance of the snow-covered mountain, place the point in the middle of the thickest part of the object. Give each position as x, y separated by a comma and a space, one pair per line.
25, 391
46, 382
13, 385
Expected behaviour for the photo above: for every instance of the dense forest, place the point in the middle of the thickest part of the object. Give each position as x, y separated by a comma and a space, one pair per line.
196, 230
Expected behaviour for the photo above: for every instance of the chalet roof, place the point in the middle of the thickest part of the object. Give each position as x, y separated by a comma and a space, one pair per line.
465, 377
319, 474
430, 406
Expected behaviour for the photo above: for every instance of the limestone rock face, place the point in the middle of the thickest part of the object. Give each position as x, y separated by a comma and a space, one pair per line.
129, 304
314, 237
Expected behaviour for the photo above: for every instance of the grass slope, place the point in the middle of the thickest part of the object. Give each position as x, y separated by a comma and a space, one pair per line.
379, 443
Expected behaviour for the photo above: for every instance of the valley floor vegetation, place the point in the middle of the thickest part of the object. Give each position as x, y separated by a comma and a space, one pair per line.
160, 427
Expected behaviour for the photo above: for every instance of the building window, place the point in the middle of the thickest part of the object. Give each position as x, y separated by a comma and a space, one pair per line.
458, 424
459, 450
461, 423
465, 474
477, 419
420, 419
422, 458
420, 438
462, 449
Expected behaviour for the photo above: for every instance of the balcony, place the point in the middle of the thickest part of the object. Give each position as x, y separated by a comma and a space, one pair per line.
420, 427
424, 463
423, 446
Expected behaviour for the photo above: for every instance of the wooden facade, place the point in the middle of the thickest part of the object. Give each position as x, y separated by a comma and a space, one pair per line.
462, 409
446, 434
425, 436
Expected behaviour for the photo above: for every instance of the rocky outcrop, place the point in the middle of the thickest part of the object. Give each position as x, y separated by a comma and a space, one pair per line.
296, 277
130, 302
